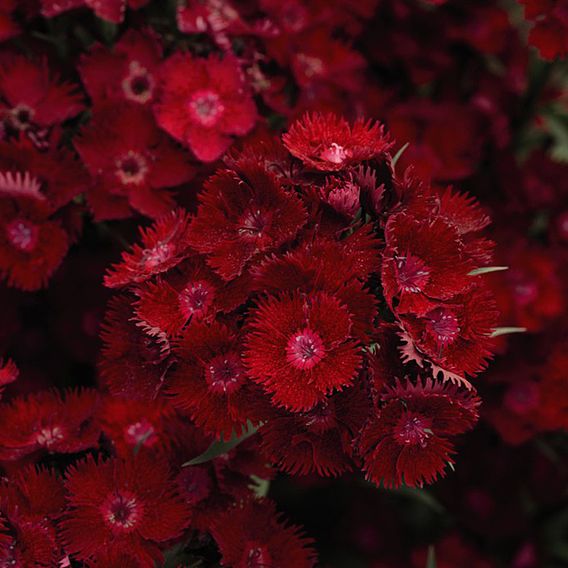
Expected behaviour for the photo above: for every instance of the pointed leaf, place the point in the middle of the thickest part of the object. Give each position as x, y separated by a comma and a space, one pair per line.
507, 330
487, 270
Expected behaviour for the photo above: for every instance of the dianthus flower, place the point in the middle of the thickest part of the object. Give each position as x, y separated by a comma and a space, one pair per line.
131, 161
121, 507
203, 103
110, 10
254, 535
548, 33
409, 441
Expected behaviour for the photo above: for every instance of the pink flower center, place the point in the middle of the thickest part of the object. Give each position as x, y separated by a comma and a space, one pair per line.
256, 556
196, 299
412, 272
23, 235
444, 325
335, 154
132, 168
206, 108
522, 397
225, 373
138, 85
309, 65
413, 430
21, 116
305, 349
253, 223
525, 291
122, 511
46, 437
140, 433
151, 258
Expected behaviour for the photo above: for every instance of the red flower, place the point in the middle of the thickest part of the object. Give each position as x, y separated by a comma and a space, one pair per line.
127, 72
48, 422
210, 381
409, 440
122, 507
318, 440
110, 10
329, 143
134, 359
254, 535
203, 102
131, 162
422, 261
8, 373
8, 27
164, 246
241, 214
548, 34
32, 97
300, 348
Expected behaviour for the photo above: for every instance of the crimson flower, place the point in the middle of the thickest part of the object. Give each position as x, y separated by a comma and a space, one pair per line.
409, 441
243, 213
254, 535
300, 348
131, 163
329, 143
122, 507
203, 103
110, 10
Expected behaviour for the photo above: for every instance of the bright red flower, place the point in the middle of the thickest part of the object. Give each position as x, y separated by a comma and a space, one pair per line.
254, 535
329, 143
48, 422
134, 360
127, 72
122, 507
243, 213
422, 261
164, 245
204, 102
300, 348
409, 441
32, 97
318, 440
210, 381
131, 161
110, 10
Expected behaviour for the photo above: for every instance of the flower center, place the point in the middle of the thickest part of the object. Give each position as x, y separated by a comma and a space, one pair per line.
121, 511
344, 198
522, 397
225, 374
48, 436
139, 84
335, 154
253, 223
257, 556
206, 107
23, 235
309, 65
21, 116
305, 349
444, 325
141, 433
151, 258
321, 418
132, 168
413, 274
196, 299
413, 430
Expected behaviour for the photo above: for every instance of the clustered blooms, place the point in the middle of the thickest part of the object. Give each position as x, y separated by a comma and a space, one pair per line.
318, 303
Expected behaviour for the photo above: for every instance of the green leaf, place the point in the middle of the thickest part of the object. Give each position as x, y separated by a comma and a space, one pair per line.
222, 447
507, 330
397, 156
487, 270
431, 559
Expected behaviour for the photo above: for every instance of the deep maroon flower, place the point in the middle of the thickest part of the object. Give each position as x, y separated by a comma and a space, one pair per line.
131, 161
8, 373
110, 10
300, 348
48, 422
548, 34
122, 507
164, 245
32, 97
241, 214
409, 441
254, 535
127, 72
210, 381
329, 143
203, 103
8, 26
